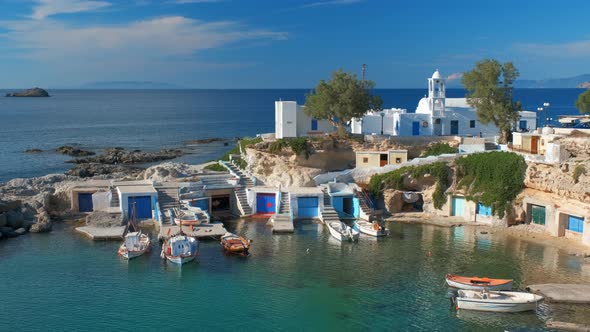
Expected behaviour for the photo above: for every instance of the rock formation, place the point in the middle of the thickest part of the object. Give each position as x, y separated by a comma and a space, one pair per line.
121, 156
275, 170
34, 92
73, 151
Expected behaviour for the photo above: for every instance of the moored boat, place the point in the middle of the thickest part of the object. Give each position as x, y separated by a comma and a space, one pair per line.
373, 229
135, 245
180, 248
189, 216
477, 283
496, 301
235, 244
342, 232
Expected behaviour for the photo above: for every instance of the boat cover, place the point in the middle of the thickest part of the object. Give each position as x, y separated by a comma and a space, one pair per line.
182, 246
132, 240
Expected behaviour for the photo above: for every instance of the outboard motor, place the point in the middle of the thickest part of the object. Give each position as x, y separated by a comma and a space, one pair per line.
452, 295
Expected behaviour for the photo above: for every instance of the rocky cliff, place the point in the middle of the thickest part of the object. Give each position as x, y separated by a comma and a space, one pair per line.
561, 179
283, 170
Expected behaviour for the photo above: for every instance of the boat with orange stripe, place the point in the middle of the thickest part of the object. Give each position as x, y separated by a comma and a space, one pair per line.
477, 283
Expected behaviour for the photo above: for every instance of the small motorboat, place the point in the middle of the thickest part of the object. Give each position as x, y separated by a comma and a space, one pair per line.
373, 229
477, 283
486, 300
189, 216
180, 248
342, 232
135, 245
235, 244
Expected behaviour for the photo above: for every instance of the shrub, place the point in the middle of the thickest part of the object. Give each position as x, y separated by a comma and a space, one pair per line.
579, 170
299, 146
493, 178
244, 142
215, 167
395, 180
437, 149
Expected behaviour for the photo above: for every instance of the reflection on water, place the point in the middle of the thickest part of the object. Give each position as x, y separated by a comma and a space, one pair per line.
304, 280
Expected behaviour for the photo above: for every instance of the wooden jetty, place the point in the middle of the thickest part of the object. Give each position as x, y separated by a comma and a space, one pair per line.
212, 230
102, 233
282, 223
563, 293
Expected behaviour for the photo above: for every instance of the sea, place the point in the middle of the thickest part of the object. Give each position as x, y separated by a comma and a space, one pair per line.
155, 119
305, 281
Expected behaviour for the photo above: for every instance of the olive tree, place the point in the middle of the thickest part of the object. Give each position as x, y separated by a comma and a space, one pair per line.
583, 102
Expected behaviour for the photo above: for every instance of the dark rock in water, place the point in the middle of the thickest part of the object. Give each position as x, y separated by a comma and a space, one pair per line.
118, 156
6, 206
74, 151
14, 219
34, 92
93, 169
33, 151
2, 219
41, 227
6, 231
205, 140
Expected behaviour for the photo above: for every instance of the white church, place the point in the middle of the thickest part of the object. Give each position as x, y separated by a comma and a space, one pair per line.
436, 115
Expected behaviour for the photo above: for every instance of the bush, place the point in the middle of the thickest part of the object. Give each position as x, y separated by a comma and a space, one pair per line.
493, 178
578, 171
244, 142
395, 180
216, 168
299, 146
437, 149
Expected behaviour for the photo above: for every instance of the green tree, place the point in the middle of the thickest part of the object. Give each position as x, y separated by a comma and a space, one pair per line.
489, 90
340, 99
583, 102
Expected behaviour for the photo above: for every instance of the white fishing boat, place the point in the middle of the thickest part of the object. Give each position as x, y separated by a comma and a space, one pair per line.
180, 248
135, 245
342, 232
496, 301
373, 229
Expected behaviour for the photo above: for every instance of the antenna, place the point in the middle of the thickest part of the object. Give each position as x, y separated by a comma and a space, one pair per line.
364, 69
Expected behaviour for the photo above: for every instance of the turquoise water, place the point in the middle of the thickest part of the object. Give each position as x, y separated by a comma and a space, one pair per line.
304, 281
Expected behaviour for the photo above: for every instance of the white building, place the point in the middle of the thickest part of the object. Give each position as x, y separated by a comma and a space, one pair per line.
291, 121
436, 115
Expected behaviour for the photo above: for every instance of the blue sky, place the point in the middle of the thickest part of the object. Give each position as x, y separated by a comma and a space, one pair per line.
283, 43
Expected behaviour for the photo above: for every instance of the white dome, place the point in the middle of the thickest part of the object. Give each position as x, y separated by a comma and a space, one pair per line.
436, 75
548, 131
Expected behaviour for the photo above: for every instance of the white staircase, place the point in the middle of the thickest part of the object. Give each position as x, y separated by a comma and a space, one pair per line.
285, 203
167, 199
328, 214
366, 205
242, 199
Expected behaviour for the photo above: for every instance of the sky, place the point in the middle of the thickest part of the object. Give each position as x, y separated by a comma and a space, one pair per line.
283, 43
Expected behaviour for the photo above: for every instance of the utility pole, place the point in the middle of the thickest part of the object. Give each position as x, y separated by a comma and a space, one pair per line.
364, 69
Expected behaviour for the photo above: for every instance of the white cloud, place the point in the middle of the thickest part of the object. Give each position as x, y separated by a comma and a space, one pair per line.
46, 8
330, 3
172, 36
576, 49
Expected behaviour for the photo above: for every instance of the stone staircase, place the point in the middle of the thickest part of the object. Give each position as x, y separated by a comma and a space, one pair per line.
365, 205
168, 199
489, 146
245, 180
114, 197
328, 214
285, 203
243, 206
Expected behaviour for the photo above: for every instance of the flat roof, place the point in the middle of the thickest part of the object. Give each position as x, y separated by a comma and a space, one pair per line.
380, 152
137, 189
305, 190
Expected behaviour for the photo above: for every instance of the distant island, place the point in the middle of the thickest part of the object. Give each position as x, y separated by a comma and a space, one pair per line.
34, 92
129, 85
580, 81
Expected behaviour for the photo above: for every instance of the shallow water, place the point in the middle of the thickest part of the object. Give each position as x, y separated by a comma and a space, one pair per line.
303, 281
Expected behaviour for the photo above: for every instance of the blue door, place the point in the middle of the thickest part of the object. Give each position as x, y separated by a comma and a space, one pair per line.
143, 207
314, 124
484, 210
454, 127
522, 125
203, 203
307, 207
575, 224
266, 203
416, 128
85, 202
458, 206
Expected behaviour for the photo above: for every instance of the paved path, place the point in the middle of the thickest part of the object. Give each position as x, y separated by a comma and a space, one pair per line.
214, 230
102, 233
563, 293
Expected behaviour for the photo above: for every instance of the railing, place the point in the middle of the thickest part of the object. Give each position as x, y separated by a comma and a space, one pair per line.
367, 199
158, 213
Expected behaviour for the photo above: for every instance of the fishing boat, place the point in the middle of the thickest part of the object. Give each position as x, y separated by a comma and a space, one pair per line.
486, 300
235, 244
373, 229
135, 243
342, 232
477, 283
180, 248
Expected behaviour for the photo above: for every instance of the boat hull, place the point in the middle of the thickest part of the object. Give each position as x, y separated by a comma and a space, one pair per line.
369, 230
180, 260
454, 284
497, 301
354, 235
475, 283
132, 254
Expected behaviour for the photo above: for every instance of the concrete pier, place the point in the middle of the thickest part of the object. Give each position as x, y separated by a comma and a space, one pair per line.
563, 293
102, 233
565, 326
213, 230
282, 223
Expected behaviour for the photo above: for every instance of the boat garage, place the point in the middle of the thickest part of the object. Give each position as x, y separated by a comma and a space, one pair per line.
82, 196
306, 202
458, 206
141, 195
